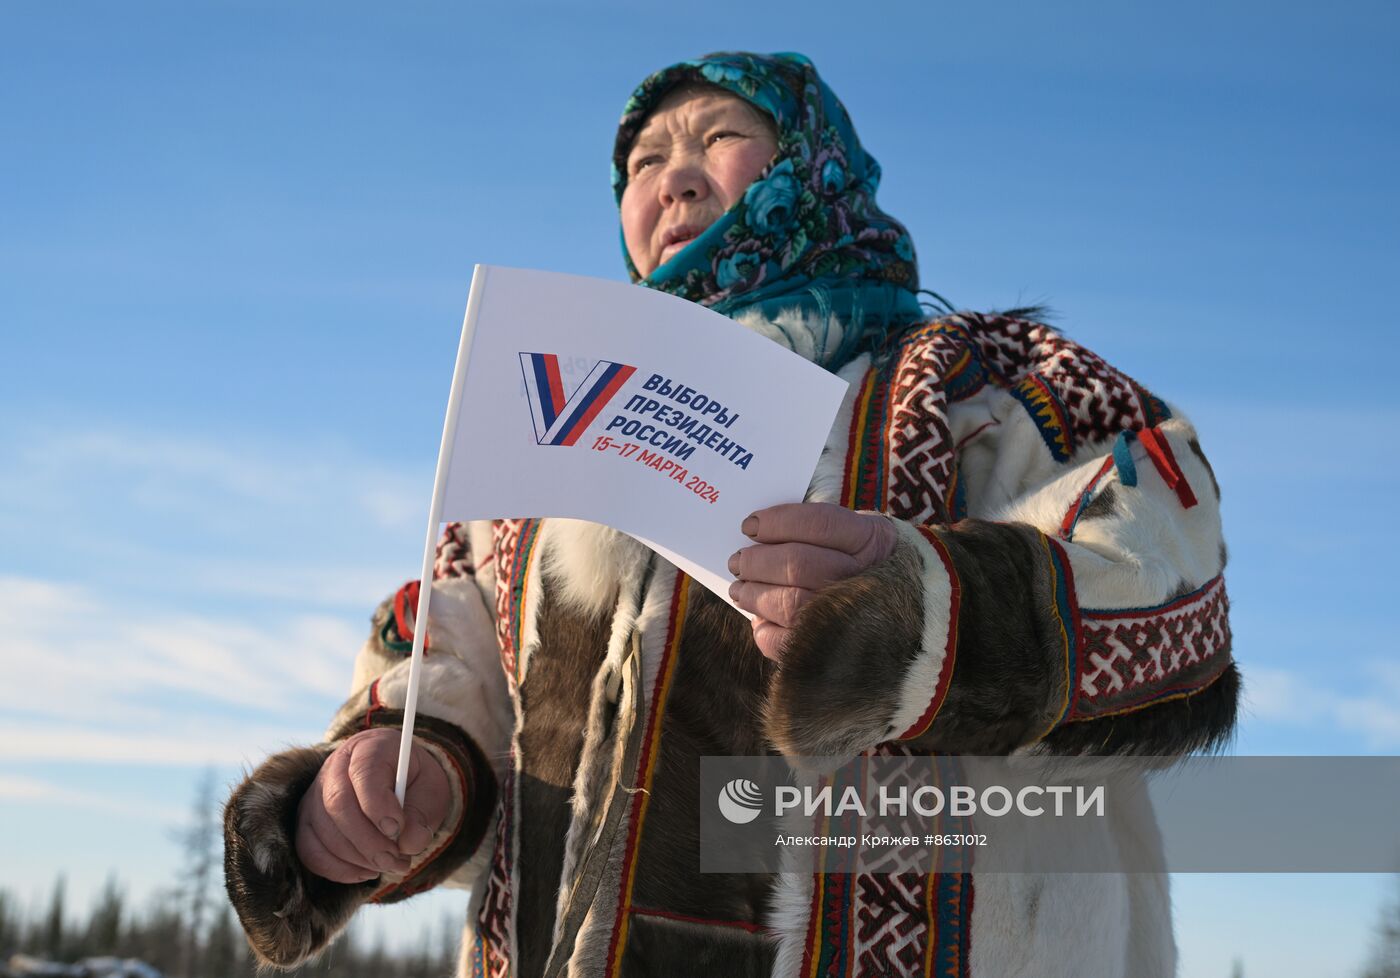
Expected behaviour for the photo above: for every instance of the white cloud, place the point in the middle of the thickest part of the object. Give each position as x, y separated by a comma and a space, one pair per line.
179, 741
327, 585
106, 681
218, 510
17, 789
190, 586
167, 473
1292, 699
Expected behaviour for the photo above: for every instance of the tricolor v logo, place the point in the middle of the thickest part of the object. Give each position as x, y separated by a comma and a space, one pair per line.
557, 421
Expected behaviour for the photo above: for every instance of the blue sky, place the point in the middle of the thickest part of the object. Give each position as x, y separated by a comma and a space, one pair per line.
235, 243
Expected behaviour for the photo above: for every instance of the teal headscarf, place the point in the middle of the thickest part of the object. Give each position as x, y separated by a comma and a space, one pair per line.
807, 234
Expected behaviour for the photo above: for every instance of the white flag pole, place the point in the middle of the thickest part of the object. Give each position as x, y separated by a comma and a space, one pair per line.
420, 618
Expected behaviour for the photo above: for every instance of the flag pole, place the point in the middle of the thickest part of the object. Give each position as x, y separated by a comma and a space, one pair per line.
444, 462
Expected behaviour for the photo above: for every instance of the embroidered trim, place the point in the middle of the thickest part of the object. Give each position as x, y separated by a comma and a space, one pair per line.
830, 947
920, 458
1068, 621
453, 557
375, 705
1139, 656
855, 444
1098, 401
1171, 693
1154, 409
1071, 519
514, 543
495, 921
955, 500
948, 903
868, 472
478, 956
898, 918
969, 373
1048, 413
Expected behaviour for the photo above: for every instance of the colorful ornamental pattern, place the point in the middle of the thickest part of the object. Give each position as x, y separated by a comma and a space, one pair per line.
1171, 650
898, 919
1073, 394
1038, 397
902, 459
514, 544
454, 555
922, 456
490, 954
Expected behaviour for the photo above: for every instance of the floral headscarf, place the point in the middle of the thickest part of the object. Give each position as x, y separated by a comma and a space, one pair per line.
807, 233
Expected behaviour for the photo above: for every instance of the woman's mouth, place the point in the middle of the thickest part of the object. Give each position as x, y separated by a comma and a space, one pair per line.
676, 239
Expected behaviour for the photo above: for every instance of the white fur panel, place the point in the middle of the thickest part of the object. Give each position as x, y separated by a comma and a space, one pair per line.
921, 680
808, 334
370, 662
1151, 545
830, 474
1050, 925
1008, 460
586, 561
1152, 521
460, 622
969, 418
790, 910
788, 916
1069, 925
472, 698
460, 625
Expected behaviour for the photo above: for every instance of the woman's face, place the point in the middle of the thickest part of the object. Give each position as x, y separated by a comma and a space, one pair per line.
692, 160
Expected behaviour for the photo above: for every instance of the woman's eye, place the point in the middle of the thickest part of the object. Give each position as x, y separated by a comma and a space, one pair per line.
716, 137
644, 162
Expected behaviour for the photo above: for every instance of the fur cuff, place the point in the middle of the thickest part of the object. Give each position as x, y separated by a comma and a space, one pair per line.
836, 691
287, 912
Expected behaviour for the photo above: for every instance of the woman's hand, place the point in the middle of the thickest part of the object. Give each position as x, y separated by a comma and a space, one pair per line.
350, 827
801, 548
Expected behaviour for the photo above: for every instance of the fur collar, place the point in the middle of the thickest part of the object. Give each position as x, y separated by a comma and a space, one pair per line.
810, 335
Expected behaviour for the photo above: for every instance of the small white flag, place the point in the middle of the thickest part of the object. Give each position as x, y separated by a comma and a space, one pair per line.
629, 407
621, 405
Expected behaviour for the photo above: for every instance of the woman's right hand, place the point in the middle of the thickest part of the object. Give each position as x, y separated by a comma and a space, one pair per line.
350, 827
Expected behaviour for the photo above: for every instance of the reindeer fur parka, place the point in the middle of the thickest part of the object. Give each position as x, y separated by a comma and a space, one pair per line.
1056, 588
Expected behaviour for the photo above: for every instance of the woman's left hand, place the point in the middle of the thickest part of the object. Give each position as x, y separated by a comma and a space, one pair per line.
800, 549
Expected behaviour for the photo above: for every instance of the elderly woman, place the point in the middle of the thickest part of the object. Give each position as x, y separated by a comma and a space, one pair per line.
1007, 546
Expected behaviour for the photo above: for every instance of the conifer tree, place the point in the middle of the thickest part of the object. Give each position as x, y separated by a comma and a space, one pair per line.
104, 928
1385, 954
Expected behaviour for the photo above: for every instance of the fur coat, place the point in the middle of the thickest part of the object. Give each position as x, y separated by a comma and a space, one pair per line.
1056, 588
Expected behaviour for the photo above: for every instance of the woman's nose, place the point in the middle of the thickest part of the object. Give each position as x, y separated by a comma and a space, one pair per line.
684, 181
